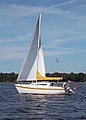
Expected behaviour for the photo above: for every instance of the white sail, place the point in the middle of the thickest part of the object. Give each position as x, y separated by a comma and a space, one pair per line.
41, 64
34, 60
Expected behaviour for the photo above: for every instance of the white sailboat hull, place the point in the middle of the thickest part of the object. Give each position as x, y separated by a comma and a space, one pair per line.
24, 88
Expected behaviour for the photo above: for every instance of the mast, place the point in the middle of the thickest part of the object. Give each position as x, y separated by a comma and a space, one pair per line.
39, 40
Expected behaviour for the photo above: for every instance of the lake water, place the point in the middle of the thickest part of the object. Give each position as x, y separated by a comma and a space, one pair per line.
14, 106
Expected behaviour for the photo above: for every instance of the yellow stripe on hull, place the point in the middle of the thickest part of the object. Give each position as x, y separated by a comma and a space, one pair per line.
39, 90
61, 88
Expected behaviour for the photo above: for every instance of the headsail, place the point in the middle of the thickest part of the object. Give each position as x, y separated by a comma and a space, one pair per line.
34, 60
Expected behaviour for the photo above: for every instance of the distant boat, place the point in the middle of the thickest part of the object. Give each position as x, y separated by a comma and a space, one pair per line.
31, 78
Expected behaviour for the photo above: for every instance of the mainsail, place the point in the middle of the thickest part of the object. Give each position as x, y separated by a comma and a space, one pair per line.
34, 60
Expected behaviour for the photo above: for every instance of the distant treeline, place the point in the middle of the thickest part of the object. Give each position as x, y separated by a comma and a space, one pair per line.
8, 77
79, 77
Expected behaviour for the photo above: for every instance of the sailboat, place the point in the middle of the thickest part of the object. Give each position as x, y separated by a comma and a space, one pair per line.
31, 78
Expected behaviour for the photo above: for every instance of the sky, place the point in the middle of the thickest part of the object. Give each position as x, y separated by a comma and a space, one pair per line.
63, 33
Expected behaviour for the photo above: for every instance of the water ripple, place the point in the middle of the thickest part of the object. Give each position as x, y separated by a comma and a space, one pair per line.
14, 106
